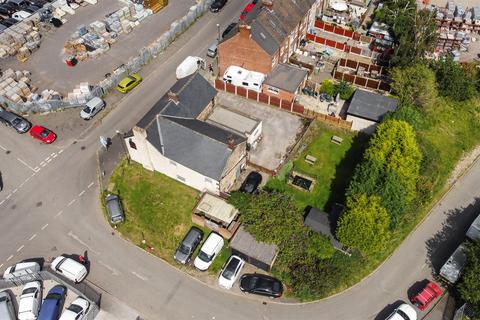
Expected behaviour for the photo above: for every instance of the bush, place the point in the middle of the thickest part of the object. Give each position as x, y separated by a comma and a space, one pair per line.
453, 81
328, 87
345, 90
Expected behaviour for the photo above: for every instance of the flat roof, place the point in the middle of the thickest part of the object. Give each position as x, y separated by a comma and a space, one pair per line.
233, 119
216, 208
245, 243
371, 106
286, 77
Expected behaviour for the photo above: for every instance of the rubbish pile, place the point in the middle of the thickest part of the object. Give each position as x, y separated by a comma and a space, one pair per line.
95, 39
21, 39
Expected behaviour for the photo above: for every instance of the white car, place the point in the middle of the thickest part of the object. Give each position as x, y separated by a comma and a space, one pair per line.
21, 15
71, 269
21, 269
30, 301
209, 250
403, 312
77, 310
230, 272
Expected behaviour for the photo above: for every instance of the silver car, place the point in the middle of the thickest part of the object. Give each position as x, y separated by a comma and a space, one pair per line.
14, 120
114, 208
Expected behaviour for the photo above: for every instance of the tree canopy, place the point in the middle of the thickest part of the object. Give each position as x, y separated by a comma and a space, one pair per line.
453, 80
469, 287
414, 85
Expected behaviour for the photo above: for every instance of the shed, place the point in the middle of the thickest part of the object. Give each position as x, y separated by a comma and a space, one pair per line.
259, 254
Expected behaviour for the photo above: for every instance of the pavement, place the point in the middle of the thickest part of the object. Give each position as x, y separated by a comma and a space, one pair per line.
58, 211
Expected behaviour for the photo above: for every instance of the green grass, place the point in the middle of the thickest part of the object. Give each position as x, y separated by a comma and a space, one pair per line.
332, 170
220, 260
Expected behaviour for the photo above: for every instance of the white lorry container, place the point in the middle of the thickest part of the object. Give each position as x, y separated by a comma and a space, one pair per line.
189, 66
241, 77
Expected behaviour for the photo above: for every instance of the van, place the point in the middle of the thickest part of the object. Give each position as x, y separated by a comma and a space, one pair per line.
188, 245
212, 50
21, 269
209, 250
71, 269
92, 107
53, 303
7, 311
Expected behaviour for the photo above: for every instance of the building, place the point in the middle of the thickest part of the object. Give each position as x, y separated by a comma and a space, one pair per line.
285, 81
268, 35
367, 109
173, 138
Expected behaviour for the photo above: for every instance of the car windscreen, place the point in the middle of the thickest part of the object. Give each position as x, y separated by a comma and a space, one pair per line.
87, 110
44, 133
53, 296
184, 249
230, 269
403, 315
2, 299
205, 257
29, 290
16, 121
74, 308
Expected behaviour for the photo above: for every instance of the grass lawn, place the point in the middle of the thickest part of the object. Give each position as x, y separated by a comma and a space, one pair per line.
332, 170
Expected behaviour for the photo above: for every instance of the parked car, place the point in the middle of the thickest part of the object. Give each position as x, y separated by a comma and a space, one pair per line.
21, 15
129, 82
251, 183
19, 3
189, 66
209, 250
43, 134
246, 10
53, 303
71, 269
7, 310
188, 245
228, 29
114, 209
230, 272
403, 312
21, 269
8, 22
325, 97
212, 50
217, 5
14, 120
32, 8
76, 310
261, 284
429, 293
93, 106
6, 10
30, 301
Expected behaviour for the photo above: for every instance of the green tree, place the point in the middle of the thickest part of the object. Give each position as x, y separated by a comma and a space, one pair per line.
328, 87
453, 81
414, 85
469, 287
364, 224
345, 90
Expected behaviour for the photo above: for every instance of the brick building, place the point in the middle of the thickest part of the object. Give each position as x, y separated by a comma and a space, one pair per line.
269, 34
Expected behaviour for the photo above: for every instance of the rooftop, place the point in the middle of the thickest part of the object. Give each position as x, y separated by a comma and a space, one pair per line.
286, 77
371, 106
216, 208
244, 242
322, 223
233, 119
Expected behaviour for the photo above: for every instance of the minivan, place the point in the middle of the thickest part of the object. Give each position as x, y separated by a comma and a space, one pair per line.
71, 269
209, 250
188, 245
21, 269
7, 311
53, 303
212, 50
92, 107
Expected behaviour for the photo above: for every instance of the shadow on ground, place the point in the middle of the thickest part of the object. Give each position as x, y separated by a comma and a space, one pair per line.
388, 310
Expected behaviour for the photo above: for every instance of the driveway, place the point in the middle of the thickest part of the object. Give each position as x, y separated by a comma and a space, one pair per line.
279, 129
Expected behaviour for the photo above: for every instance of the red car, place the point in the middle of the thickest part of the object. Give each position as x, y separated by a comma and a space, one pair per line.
422, 299
43, 134
246, 10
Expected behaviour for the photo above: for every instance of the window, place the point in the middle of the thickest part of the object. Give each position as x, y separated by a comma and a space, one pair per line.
273, 90
245, 84
132, 144
173, 163
180, 178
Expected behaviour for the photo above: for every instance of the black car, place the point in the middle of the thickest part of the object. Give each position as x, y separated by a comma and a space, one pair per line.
217, 5
252, 182
14, 120
8, 22
228, 29
31, 8
188, 245
261, 284
7, 9
114, 208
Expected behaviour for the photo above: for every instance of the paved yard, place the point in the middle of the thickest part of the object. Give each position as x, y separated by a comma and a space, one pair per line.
50, 71
280, 129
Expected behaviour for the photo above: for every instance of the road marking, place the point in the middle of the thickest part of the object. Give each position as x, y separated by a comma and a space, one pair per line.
20, 248
1, 265
10, 258
48, 160
26, 180
71, 202
81, 193
114, 271
51, 154
21, 184
2, 202
32, 237
46, 225
43, 165
59, 213
9, 195
25, 164
33, 174
139, 276
54, 156
91, 184
36, 169
60, 151
5, 149
74, 236
14, 190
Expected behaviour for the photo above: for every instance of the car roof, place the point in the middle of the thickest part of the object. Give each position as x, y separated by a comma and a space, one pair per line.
212, 241
113, 204
71, 265
37, 129
192, 235
125, 81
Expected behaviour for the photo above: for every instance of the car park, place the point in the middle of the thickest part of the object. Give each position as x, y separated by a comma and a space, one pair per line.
71, 269
14, 120
129, 82
21, 269
188, 245
21, 15
403, 312
76, 310
251, 183
230, 272
6, 11
426, 296
228, 29
7, 310
209, 251
114, 209
30, 301
53, 303
43, 134
93, 106
217, 5
261, 284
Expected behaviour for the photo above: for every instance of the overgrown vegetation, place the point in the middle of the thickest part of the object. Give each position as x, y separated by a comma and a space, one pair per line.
342, 88
469, 287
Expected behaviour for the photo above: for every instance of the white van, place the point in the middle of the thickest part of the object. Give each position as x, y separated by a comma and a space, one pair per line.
30, 301
71, 269
241, 77
92, 107
189, 66
7, 310
21, 269
209, 250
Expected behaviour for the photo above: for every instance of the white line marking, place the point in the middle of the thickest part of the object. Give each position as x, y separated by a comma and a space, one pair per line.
71, 202
14, 190
33, 174
10, 258
46, 159
46, 225
81, 193
25, 164
1, 265
54, 156
60, 151
32, 237
91, 184
53, 153
26, 180
139, 276
74, 236
9, 195
3, 147
2, 202
49, 160
114, 271
21, 184
59, 213
21, 247
43, 165
36, 169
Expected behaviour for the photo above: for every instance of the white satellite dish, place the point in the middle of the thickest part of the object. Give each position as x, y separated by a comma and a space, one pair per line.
339, 6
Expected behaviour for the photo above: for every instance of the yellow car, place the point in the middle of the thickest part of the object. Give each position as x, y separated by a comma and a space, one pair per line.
129, 82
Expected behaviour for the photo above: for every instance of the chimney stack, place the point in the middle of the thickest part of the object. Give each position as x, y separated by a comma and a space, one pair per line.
172, 96
244, 31
267, 4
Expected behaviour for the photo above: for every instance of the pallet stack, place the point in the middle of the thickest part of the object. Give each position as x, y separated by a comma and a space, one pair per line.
21, 39
80, 94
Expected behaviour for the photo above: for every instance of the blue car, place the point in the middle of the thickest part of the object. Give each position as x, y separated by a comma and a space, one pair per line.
53, 303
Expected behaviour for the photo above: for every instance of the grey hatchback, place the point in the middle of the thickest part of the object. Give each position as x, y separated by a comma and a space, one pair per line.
14, 120
187, 246
114, 208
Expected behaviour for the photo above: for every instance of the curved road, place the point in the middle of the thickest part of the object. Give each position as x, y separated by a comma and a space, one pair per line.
58, 211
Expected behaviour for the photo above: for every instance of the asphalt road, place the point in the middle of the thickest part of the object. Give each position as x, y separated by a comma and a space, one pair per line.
58, 211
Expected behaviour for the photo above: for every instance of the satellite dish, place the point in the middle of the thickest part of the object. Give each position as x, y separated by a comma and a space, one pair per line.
340, 6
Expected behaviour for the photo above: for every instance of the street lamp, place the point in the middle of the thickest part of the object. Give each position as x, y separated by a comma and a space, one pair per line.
218, 29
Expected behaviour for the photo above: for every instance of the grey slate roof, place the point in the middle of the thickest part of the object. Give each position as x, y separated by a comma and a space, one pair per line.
286, 77
320, 222
371, 106
245, 243
194, 94
192, 143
